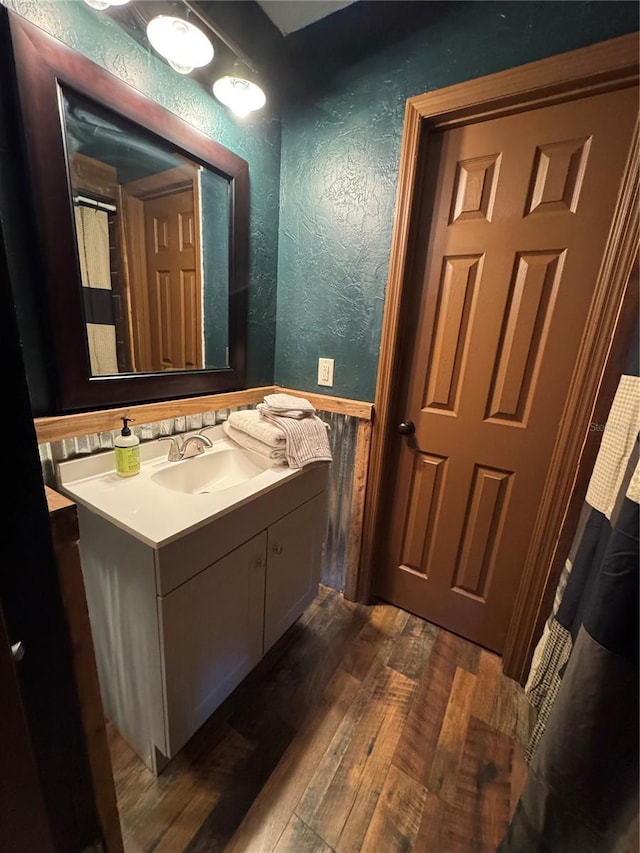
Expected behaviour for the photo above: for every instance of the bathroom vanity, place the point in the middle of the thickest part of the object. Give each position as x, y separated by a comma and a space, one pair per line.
193, 570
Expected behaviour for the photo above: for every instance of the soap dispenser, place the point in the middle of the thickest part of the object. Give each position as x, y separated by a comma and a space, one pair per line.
127, 448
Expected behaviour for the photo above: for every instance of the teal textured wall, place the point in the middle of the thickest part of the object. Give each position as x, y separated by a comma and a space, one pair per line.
340, 158
256, 139
322, 204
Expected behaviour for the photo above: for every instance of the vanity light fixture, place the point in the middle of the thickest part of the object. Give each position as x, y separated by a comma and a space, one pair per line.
101, 5
184, 46
238, 92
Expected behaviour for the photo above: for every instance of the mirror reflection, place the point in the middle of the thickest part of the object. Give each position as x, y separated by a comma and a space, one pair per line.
152, 233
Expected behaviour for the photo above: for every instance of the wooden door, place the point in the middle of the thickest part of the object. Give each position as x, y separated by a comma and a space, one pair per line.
515, 215
47, 797
24, 824
175, 298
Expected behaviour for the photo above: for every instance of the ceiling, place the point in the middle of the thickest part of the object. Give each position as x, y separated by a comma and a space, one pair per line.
293, 46
292, 15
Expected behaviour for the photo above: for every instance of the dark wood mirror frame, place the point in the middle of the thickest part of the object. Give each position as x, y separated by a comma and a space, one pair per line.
43, 65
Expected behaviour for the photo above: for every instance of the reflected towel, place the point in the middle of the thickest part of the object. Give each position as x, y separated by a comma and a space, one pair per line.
277, 456
92, 227
252, 424
102, 349
307, 439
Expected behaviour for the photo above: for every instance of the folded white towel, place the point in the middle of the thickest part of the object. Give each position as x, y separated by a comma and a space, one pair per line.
277, 456
249, 421
307, 439
298, 414
288, 405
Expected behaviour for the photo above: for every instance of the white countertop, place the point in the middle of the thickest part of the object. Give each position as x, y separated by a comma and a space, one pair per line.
154, 514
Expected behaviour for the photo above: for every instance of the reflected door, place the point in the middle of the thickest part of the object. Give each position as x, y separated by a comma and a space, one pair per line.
515, 215
174, 281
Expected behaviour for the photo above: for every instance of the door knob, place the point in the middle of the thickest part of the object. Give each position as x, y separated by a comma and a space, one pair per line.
17, 652
406, 428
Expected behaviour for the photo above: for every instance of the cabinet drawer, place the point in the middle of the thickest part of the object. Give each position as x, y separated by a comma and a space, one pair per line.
180, 560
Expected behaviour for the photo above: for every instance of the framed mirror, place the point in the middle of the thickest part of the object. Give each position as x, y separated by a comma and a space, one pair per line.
143, 226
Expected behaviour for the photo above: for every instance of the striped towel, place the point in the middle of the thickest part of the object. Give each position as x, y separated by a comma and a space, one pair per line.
288, 405
306, 438
276, 455
252, 424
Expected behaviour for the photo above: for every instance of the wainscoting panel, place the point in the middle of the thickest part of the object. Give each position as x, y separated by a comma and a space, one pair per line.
342, 437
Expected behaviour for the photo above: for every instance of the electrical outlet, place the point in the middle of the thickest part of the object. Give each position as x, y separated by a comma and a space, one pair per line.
325, 371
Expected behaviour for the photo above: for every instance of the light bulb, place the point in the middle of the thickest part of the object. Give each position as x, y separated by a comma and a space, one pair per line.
184, 46
181, 69
101, 5
240, 95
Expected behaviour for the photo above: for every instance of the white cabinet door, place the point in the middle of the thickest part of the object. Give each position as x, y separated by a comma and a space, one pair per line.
211, 631
294, 552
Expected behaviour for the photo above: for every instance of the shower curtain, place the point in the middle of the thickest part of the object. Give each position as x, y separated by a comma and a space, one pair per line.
92, 228
581, 792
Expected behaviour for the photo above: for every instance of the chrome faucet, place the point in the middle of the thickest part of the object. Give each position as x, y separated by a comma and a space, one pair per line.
185, 448
194, 445
175, 451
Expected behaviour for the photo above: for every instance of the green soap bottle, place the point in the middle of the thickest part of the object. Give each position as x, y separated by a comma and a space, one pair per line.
127, 448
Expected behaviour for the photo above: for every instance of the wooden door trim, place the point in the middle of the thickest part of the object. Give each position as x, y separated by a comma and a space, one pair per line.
602, 67
134, 264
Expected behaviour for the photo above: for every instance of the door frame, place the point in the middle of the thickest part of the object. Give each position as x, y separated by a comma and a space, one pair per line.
597, 69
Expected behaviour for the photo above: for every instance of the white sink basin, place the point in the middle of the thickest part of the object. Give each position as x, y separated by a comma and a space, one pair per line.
210, 472
168, 499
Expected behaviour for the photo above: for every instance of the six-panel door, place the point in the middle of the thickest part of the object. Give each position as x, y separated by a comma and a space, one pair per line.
515, 216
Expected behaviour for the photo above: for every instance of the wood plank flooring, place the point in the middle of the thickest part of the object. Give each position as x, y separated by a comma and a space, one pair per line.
365, 729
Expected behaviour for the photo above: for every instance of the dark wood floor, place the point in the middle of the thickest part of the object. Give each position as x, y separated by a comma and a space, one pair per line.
366, 729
